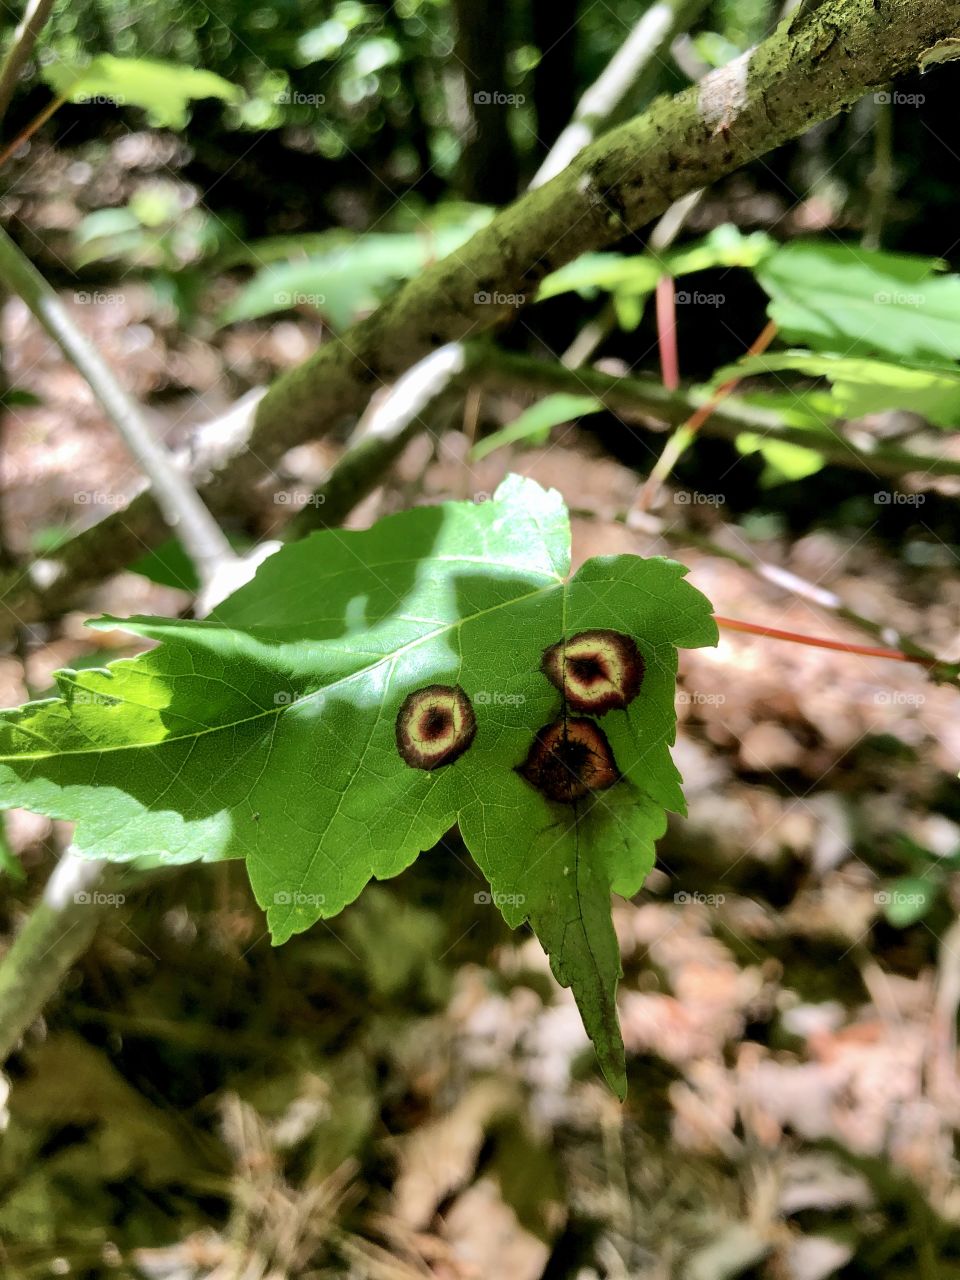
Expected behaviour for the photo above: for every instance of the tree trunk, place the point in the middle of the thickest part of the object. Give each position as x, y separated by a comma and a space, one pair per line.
488, 168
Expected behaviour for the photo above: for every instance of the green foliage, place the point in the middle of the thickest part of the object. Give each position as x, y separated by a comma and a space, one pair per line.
162, 89
284, 729
913, 895
154, 231
783, 459
861, 385
841, 299
535, 424
630, 279
353, 276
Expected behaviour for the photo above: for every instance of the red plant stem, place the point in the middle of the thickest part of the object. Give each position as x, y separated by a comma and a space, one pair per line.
667, 334
756, 348
683, 435
817, 642
54, 105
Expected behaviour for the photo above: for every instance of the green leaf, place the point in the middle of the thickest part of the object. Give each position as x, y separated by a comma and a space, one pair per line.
162, 89
169, 565
852, 301
10, 864
536, 423
784, 461
907, 900
350, 278
270, 730
861, 386
633, 278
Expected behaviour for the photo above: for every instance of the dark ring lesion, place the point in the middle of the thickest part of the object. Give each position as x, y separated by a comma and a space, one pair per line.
569, 760
596, 671
435, 726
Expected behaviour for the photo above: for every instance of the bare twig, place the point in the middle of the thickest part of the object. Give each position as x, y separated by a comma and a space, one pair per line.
683, 436
897, 644
59, 929
181, 507
640, 398
21, 46
645, 43
380, 437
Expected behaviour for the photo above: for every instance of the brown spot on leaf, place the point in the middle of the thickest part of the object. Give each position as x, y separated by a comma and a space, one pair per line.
435, 726
596, 671
570, 759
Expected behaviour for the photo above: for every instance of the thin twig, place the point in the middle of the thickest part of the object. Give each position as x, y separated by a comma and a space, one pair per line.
21, 46
182, 508
26, 134
821, 642
683, 436
939, 669
880, 180
641, 398
649, 38
379, 439
58, 930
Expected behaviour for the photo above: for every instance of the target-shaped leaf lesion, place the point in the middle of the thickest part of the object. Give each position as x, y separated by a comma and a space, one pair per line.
569, 760
596, 671
435, 726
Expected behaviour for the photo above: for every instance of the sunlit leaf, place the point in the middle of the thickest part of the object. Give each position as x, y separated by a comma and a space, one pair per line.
365, 692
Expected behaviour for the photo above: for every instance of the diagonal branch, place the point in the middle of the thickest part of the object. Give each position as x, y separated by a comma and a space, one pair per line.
21, 46
655, 29
765, 97
178, 501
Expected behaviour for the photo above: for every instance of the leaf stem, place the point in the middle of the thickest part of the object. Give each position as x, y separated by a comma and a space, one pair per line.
681, 438
26, 134
820, 642
667, 334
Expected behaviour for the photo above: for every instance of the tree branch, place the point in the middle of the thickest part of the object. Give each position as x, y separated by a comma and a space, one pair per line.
59, 929
178, 501
763, 98
638, 397
631, 175
654, 31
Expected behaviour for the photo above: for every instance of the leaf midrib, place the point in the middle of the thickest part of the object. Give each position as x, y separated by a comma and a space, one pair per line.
12, 759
